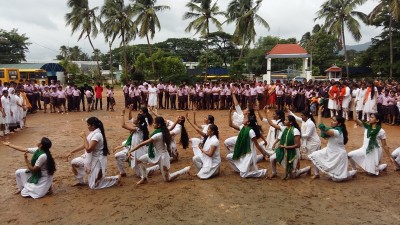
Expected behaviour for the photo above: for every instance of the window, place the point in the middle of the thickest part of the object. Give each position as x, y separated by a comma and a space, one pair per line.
1, 73
13, 74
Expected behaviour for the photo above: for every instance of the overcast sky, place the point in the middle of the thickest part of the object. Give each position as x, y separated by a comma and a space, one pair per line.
43, 22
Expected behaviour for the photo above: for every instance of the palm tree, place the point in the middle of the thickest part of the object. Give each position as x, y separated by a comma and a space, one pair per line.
339, 14
84, 19
147, 19
244, 13
118, 22
64, 51
202, 14
383, 7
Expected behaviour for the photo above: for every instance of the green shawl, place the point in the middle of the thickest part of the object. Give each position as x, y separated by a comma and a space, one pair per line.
242, 146
129, 141
128, 145
322, 127
287, 138
372, 133
34, 179
150, 150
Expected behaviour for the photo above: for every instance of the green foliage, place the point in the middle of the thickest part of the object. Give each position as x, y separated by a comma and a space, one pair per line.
214, 60
221, 43
237, 70
244, 14
322, 46
13, 46
185, 48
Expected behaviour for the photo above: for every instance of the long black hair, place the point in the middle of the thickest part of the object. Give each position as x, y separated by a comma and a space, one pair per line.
51, 165
372, 86
309, 115
379, 117
165, 132
142, 124
94, 121
215, 131
184, 135
253, 124
210, 119
147, 115
294, 122
342, 120
281, 116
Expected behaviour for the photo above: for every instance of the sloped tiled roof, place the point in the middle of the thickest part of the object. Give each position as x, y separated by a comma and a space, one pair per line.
334, 68
287, 49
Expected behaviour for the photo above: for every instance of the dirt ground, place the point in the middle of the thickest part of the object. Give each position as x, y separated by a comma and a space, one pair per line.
227, 199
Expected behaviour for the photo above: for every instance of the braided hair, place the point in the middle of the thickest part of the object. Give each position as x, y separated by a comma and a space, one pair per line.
147, 115
215, 131
165, 132
46, 145
341, 120
142, 124
184, 135
94, 121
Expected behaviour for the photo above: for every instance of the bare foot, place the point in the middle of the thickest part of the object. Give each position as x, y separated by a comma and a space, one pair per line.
315, 177
17, 192
50, 192
273, 175
119, 180
141, 181
78, 185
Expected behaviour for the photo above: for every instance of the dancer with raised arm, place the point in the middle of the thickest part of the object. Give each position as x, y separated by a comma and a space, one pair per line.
36, 181
244, 157
310, 141
287, 153
159, 148
237, 120
207, 159
369, 155
138, 133
332, 160
94, 161
275, 129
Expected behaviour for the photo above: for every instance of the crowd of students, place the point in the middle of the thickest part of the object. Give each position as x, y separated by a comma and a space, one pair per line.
19, 99
286, 142
348, 98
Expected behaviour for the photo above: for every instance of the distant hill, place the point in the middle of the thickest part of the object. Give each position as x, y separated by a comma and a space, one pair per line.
358, 48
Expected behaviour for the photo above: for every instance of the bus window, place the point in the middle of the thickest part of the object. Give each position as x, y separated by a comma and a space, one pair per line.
13, 75
7, 75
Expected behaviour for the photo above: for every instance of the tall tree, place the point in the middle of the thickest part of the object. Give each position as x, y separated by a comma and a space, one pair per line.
118, 22
147, 20
322, 46
13, 46
391, 10
83, 19
341, 14
223, 46
244, 14
203, 12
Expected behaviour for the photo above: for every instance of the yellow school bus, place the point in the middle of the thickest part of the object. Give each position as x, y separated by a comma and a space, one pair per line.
9, 74
37, 74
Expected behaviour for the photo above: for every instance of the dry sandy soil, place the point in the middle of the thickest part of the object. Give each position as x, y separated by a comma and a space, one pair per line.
227, 199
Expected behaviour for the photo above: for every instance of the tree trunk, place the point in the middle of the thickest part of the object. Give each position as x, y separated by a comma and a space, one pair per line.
111, 68
125, 59
151, 54
208, 32
97, 58
346, 58
391, 45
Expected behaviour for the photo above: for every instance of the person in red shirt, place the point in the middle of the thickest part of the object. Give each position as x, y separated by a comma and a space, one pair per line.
99, 94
